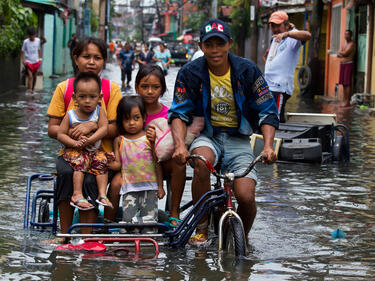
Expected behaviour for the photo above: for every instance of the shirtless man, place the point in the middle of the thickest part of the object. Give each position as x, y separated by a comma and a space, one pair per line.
346, 54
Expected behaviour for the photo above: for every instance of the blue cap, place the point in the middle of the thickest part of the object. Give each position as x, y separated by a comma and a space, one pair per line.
214, 28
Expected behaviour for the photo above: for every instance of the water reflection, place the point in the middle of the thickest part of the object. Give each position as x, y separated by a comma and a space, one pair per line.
298, 208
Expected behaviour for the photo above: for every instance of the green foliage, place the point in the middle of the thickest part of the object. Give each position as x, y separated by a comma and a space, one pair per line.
94, 22
196, 20
204, 4
240, 17
198, 17
14, 20
137, 36
112, 14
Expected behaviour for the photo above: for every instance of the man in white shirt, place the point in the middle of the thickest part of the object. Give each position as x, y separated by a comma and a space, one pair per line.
197, 54
31, 57
282, 58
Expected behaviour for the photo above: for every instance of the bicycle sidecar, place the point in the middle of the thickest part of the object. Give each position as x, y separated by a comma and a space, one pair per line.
41, 214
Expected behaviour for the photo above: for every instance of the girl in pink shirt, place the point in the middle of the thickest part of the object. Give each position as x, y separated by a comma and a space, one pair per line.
142, 182
150, 85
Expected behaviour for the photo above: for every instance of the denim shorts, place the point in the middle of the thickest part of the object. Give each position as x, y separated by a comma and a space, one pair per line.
233, 152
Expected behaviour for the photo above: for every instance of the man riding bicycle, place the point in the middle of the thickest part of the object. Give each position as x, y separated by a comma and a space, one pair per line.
232, 95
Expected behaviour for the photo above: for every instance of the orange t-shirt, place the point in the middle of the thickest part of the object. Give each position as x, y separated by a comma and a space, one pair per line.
111, 47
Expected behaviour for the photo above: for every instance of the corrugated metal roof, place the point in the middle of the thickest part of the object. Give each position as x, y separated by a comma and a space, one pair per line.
45, 2
46, 6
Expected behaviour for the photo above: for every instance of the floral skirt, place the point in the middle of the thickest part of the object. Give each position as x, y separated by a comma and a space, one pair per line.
93, 162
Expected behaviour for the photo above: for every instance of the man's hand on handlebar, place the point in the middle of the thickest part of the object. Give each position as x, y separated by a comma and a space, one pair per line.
270, 156
180, 154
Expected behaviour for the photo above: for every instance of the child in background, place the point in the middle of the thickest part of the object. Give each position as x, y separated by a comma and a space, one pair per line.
83, 152
150, 85
127, 63
31, 57
134, 156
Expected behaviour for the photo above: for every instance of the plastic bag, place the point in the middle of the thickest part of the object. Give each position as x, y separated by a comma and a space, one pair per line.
164, 145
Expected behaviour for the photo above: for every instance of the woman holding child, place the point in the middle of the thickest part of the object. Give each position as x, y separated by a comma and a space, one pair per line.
89, 56
82, 193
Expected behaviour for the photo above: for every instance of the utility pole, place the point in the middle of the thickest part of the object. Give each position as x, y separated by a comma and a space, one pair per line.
180, 11
102, 18
107, 20
253, 30
86, 20
141, 17
159, 17
214, 9
313, 52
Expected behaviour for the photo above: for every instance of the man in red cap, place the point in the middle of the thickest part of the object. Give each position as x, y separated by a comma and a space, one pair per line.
282, 58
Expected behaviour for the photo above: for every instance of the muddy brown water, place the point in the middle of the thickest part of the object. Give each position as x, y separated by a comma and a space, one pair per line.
299, 205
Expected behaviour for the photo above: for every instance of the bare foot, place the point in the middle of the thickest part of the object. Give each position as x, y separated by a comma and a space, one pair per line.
57, 240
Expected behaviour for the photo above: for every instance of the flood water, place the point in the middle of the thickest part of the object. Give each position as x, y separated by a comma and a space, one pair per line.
298, 208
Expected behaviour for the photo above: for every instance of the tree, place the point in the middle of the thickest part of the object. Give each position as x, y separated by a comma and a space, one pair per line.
14, 21
197, 18
240, 17
313, 52
315, 25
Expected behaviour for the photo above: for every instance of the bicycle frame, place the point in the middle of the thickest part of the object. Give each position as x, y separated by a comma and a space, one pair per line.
228, 184
176, 238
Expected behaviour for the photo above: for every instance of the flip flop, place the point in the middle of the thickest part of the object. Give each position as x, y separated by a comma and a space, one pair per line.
82, 200
170, 224
99, 201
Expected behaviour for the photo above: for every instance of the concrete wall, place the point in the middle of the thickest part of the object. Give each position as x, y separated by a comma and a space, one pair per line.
10, 73
56, 52
71, 28
264, 39
48, 46
373, 66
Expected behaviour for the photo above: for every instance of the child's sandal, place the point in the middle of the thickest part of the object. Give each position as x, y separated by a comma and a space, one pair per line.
171, 219
104, 197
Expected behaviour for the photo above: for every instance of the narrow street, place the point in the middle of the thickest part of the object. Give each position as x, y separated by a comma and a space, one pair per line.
324, 49
299, 205
113, 72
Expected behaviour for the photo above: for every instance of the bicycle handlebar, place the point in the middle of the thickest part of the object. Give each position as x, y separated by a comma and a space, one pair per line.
229, 176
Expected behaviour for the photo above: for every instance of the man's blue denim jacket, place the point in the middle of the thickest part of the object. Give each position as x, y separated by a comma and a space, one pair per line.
254, 101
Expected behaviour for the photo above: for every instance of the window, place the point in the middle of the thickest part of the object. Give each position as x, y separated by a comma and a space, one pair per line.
335, 29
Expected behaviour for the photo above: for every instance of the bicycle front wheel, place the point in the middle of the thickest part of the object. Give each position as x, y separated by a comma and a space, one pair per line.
234, 237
